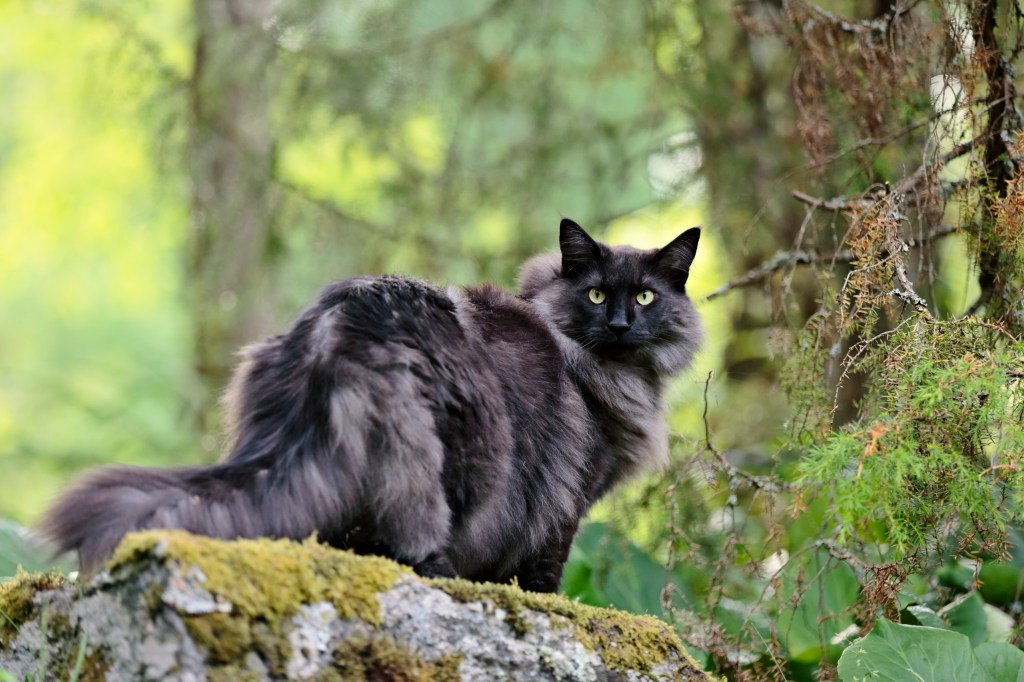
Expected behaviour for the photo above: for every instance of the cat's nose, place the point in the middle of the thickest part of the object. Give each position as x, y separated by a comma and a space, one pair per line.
618, 328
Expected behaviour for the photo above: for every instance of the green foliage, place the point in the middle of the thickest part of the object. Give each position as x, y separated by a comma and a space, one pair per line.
961, 647
940, 440
819, 595
605, 569
18, 551
922, 654
94, 337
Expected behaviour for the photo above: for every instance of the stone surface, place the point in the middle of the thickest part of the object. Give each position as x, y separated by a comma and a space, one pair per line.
171, 606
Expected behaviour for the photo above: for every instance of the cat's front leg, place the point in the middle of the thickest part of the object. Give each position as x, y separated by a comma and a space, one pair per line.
435, 565
544, 572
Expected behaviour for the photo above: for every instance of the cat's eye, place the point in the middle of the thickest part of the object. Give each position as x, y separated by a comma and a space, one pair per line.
596, 295
645, 297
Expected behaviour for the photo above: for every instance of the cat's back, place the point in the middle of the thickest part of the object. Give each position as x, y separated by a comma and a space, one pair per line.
386, 309
478, 326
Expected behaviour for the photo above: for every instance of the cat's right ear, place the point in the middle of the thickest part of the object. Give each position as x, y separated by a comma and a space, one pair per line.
579, 250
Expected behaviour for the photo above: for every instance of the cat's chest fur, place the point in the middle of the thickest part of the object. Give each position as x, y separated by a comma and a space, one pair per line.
575, 428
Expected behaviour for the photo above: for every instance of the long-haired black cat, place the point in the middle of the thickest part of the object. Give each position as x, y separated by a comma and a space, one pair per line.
461, 431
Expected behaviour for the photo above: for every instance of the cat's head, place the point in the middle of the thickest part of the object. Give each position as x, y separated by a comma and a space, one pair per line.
617, 302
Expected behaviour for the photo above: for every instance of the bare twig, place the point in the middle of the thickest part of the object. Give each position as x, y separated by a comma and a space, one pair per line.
785, 259
780, 260
833, 204
737, 476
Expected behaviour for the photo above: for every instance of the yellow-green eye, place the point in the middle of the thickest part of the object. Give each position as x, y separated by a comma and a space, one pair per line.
596, 296
645, 297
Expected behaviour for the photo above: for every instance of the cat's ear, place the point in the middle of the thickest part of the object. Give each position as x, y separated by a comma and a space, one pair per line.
579, 250
675, 259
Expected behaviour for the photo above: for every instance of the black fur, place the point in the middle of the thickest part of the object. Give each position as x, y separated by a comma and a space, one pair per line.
463, 432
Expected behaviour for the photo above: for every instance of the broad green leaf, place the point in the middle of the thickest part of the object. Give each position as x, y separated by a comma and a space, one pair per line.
911, 653
956, 575
969, 618
605, 569
999, 625
17, 549
1003, 662
826, 591
914, 590
1002, 582
925, 616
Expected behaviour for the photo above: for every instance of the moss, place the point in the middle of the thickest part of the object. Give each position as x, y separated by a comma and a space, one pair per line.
381, 658
225, 637
510, 598
16, 595
624, 641
154, 598
94, 667
231, 673
266, 581
272, 646
270, 579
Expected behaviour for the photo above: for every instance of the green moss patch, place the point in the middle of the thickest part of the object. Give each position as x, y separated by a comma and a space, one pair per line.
225, 637
380, 658
271, 579
624, 641
16, 599
231, 673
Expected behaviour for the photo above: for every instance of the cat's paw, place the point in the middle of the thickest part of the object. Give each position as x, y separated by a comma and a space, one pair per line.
436, 565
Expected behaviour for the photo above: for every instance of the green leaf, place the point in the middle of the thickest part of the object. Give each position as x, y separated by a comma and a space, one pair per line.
999, 625
969, 618
911, 653
826, 591
925, 616
18, 549
605, 569
1003, 662
1002, 582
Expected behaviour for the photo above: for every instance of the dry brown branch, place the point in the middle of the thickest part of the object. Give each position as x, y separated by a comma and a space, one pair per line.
784, 259
897, 247
779, 261
833, 204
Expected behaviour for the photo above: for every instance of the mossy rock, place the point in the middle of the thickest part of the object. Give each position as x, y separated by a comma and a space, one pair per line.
175, 606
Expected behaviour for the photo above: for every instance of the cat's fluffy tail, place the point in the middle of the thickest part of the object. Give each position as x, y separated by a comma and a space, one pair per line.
220, 501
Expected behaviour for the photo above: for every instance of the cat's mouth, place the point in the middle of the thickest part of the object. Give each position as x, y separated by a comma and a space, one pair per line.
620, 348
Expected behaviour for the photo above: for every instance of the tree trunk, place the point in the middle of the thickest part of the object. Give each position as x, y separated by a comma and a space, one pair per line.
233, 198
744, 120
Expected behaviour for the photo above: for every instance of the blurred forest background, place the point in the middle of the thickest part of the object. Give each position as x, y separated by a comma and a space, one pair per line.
178, 179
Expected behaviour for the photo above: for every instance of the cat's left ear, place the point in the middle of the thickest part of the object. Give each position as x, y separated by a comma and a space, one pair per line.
579, 250
675, 259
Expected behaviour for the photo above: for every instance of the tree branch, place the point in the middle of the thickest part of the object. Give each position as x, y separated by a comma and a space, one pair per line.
784, 259
780, 260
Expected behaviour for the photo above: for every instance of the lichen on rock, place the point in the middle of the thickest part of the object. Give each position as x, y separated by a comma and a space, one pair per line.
180, 607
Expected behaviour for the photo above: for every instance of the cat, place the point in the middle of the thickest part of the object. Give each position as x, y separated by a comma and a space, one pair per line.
464, 432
